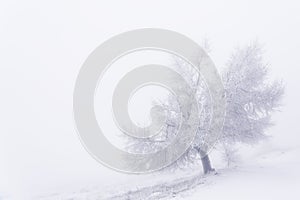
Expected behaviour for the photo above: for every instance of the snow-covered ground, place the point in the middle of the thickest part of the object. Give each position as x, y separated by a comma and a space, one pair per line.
271, 175
267, 172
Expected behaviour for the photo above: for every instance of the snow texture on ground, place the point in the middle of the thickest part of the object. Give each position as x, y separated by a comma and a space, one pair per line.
270, 173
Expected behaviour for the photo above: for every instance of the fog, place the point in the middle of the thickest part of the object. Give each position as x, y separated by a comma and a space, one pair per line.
43, 45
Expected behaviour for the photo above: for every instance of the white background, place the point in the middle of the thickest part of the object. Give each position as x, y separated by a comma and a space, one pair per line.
44, 43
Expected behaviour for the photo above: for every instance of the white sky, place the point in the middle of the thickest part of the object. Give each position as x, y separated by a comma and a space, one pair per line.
43, 44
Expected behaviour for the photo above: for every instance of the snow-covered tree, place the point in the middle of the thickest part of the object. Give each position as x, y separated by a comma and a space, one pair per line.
251, 99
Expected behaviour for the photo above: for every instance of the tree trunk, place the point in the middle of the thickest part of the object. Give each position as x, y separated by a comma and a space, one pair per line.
207, 168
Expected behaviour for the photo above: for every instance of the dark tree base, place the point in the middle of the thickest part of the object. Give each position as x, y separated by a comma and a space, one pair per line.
207, 168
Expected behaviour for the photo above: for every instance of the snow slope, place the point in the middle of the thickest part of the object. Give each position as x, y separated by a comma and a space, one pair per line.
271, 175
267, 172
